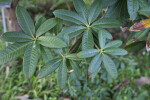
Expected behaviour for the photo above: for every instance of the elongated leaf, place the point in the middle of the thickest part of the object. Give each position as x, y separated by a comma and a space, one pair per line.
107, 23
46, 26
145, 11
30, 60
107, 3
81, 8
62, 75
12, 52
141, 34
95, 65
115, 43
69, 16
16, 37
66, 39
102, 36
109, 78
73, 57
72, 31
116, 51
143, 3
133, 7
118, 11
110, 66
46, 54
58, 51
136, 46
51, 41
95, 10
25, 21
59, 26
76, 68
87, 41
87, 53
50, 67
122, 65
39, 22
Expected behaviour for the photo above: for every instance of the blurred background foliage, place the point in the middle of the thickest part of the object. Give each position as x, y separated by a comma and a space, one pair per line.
132, 82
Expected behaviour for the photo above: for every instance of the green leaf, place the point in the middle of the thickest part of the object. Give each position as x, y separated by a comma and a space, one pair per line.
73, 57
145, 11
122, 65
62, 75
87, 40
107, 3
81, 8
110, 66
107, 23
118, 11
51, 41
66, 39
76, 68
136, 46
25, 21
87, 53
133, 7
30, 60
58, 28
95, 10
95, 65
115, 43
58, 51
16, 37
72, 31
143, 3
141, 34
46, 54
50, 67
102, 36
69, 16
109, 78
12, 51
115, 51
39, 22
46, 26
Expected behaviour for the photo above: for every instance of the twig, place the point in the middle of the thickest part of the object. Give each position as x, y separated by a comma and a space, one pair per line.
69, 8
9, 64
121, 85
77, 43
6, 76
2, 67
96, 46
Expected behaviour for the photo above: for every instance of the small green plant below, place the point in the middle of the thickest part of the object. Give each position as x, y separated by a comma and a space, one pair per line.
78, 46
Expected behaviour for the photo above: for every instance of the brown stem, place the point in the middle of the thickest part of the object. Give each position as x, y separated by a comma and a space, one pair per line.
69, 8
76, 45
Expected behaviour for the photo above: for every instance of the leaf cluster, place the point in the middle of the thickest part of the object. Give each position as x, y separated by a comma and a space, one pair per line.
97, 45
